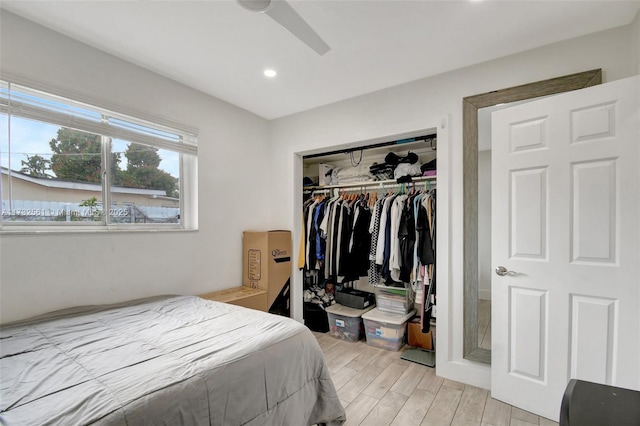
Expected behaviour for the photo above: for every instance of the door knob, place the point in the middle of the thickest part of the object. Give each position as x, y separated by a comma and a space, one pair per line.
502, 271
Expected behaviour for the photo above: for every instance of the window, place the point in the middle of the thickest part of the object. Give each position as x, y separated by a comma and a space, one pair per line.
69, 164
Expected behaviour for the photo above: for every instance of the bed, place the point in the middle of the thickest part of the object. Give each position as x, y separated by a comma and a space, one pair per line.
171, 360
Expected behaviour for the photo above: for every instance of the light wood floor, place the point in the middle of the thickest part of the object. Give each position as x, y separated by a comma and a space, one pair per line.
376, 387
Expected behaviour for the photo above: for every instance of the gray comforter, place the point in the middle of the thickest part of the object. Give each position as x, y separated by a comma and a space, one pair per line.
164, 361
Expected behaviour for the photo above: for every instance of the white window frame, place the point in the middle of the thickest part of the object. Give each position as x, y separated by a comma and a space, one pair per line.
185, 145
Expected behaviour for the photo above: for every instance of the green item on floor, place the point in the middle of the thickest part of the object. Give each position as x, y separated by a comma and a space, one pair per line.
420, 356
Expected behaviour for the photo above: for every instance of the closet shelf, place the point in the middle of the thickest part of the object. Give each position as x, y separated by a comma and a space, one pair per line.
378, 183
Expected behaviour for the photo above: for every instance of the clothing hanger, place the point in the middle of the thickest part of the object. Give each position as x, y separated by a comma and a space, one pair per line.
373, 199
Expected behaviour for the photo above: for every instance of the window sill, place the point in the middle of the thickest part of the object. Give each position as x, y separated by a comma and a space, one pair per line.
49, 230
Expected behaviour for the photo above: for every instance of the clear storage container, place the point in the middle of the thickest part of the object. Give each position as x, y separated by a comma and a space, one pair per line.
386, 330
395, 301
346, 323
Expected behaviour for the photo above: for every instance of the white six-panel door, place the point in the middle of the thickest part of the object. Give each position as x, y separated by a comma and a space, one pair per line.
566, 224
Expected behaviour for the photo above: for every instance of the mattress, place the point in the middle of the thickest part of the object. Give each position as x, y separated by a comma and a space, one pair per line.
176, 360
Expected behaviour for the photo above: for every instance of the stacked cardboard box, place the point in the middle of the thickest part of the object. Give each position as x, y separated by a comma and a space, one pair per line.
242, 296
266, 264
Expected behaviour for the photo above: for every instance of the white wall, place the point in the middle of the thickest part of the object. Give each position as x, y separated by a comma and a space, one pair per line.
418, 105
635, 42
40, 273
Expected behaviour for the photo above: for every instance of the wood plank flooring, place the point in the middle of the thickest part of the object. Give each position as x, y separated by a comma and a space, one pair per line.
377, 388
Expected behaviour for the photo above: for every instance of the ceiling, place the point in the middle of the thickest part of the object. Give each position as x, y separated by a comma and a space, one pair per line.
221, 49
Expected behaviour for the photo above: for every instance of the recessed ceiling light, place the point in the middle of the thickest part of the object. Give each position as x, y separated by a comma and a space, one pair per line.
270, 73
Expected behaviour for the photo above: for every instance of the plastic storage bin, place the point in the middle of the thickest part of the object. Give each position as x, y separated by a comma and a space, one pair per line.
395, 301
315, 318
346, 323
385, 330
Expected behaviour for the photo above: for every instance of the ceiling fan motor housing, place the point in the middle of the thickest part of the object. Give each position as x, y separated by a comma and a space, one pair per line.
259, 6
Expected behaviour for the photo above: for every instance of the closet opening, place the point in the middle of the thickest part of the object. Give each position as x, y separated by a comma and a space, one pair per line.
368, 240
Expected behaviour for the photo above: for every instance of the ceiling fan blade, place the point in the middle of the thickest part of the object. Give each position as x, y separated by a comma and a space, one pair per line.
285, 15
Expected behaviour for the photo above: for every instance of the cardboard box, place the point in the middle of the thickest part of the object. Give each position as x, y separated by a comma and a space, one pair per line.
417, 338
266, 262
241, 296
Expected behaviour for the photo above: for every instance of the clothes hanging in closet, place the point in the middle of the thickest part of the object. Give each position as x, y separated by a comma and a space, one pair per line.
429, 283
360, 240
391, 240
349, 237
335, 236
374, 231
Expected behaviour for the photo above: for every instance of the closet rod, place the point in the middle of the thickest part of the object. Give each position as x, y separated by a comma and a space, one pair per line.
425, 138
379, 183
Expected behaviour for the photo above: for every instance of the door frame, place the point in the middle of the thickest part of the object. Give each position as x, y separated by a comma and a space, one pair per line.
470, 106
441, 132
